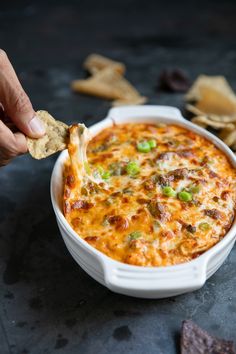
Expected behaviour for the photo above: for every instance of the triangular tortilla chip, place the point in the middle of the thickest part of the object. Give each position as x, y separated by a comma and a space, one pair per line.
216, 102
108, 84
218, 83
214, 106
55, 138
95, 62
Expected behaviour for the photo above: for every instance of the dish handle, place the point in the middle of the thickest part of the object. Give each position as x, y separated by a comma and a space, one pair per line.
124, 112
164, 280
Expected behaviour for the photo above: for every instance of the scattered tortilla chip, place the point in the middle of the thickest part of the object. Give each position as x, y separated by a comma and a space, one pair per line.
54, 140
215, 106
95, 62
214, 117
224, 133
134, 101
214, 101
219, 83
225, 119
212, 94
230, 138
191, 108
207, 121
107, 84
196, 340
198, 121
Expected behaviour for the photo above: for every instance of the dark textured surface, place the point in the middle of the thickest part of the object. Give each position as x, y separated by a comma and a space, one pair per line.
47, 303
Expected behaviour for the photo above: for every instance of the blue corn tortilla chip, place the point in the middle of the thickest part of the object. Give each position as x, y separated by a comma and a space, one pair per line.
194, 340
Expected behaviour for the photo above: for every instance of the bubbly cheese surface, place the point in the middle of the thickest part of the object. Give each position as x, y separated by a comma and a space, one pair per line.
166, 194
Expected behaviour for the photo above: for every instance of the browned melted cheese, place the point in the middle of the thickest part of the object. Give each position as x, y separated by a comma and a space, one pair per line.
131, 220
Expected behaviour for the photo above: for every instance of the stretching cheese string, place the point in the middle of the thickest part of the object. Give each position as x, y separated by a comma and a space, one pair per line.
77, 148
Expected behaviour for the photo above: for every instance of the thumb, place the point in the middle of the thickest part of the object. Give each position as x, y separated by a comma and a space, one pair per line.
21, 112
15, 101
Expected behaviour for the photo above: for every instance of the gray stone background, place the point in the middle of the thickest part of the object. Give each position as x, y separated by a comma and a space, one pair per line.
47, 303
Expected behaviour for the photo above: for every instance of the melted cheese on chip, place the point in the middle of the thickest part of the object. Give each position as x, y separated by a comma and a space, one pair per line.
158, 194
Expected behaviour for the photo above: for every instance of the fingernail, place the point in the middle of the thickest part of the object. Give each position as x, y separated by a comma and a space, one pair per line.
36, 126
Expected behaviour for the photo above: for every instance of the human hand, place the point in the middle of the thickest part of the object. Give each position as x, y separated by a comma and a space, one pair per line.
15, 110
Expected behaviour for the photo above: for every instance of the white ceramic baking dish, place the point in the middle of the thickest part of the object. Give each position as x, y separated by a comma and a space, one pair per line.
145, 282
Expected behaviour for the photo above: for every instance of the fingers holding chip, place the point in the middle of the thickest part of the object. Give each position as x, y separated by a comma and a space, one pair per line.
55, 138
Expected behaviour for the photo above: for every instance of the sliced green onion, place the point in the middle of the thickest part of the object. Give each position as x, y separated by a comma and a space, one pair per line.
100, 169
168, 191
135, 235
87, 168
194, 189
146, 146
143, 146
185, 196
132, 168
105, 175
204, 226
152, 143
